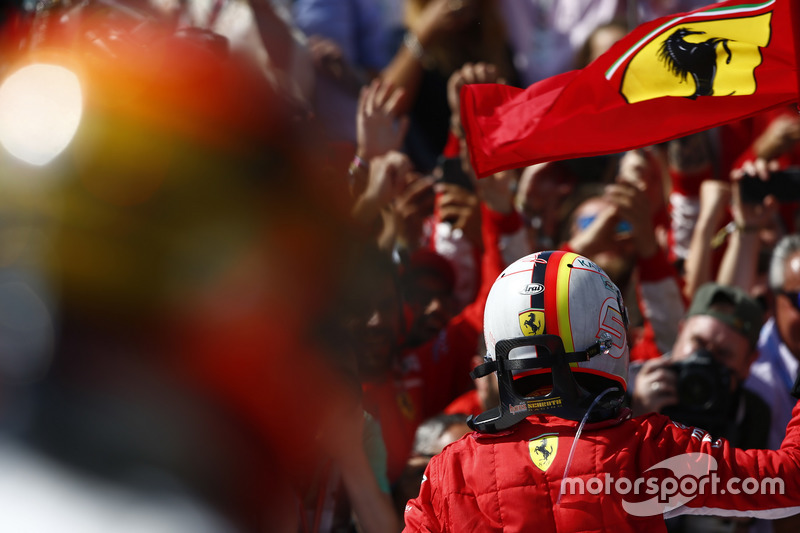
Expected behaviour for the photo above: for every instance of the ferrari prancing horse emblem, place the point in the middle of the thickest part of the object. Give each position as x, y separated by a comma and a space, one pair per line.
531, 322
543, 450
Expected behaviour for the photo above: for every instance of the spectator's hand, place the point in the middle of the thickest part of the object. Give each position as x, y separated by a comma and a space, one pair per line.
469, 73
541, 192
387, 180
599, 235
641, 170
387, 176
654, 388
412, 208
495, 191
328, 58
441, 16
642, 167
761, 168
752, 216
379, 129
779, 137
461, 208
542, 186
633, 205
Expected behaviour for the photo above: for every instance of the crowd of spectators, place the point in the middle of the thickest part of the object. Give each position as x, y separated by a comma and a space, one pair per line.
314, 309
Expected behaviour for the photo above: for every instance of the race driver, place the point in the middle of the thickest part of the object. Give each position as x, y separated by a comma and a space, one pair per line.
561, 452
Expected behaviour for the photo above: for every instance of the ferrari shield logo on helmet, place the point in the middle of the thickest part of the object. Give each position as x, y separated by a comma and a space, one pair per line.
543, 450
698, 58
531, 322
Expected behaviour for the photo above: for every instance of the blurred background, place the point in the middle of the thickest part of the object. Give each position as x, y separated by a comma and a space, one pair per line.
166, 277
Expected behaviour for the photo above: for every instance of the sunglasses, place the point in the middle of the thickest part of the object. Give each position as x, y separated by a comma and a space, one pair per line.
794, 298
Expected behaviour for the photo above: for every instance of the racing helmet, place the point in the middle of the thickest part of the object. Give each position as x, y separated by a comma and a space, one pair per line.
555, 328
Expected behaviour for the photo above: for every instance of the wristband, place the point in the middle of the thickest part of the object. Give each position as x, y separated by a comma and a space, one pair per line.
729, 228
411, 42
356, 164
353, 182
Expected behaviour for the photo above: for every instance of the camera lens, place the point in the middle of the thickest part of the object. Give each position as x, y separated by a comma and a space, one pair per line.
696, 390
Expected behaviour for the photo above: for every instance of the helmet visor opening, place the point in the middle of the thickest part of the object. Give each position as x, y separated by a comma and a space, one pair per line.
533, 378
533, 384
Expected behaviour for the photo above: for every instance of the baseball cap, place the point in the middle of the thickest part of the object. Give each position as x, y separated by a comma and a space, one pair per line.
731, 306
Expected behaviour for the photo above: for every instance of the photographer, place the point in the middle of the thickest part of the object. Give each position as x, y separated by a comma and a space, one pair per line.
698, 382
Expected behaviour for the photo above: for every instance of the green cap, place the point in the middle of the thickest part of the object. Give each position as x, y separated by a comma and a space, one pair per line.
731, 306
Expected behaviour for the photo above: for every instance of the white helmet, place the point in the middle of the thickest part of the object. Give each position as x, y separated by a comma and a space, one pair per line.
556, 334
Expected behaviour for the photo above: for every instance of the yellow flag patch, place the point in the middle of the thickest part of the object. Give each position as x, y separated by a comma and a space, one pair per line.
711, 58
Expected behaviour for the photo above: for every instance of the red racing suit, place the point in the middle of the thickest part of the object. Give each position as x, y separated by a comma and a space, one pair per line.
511, 481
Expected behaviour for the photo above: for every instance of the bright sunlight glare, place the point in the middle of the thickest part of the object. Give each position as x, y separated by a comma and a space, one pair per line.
40, 109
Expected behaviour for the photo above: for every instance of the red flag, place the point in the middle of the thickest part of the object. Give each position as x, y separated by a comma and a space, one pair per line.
668, 78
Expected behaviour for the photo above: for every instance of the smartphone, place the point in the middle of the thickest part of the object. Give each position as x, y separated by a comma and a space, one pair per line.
783, 184
453, 172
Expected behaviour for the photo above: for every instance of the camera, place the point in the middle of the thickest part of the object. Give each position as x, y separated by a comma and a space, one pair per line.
453, 173
783, 184
704, 393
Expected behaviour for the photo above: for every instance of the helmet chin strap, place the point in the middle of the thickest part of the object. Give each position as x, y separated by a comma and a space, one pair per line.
567, 399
